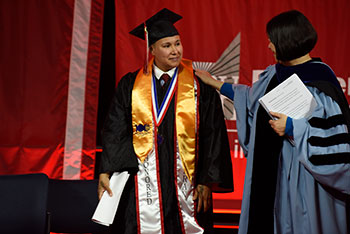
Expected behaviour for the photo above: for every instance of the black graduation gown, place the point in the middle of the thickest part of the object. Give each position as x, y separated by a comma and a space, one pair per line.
213, 163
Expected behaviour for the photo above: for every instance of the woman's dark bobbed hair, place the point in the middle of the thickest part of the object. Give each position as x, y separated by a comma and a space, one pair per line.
292, 34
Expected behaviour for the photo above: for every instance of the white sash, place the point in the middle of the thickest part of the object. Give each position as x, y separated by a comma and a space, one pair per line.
148, 196
185, 195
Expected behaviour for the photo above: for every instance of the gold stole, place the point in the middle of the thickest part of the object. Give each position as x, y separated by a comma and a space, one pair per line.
143, 122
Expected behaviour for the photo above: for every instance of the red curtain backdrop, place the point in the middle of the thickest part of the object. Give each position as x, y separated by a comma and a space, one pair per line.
207, 30
49, 71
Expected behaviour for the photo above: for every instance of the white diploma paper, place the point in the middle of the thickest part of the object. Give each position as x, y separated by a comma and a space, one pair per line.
291, 98
107, 206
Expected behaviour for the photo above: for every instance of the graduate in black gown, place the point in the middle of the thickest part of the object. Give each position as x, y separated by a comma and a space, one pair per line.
170, 136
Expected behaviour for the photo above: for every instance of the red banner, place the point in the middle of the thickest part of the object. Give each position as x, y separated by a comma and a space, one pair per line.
228, 38
50, 57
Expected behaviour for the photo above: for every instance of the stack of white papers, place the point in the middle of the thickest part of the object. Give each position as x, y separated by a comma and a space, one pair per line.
291, 98
107, 207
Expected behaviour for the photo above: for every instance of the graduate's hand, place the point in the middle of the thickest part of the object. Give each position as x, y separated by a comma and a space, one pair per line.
103, 185
278, 125
202, 193
208, 79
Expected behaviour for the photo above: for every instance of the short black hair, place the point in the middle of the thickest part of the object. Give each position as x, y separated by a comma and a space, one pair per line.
292, 35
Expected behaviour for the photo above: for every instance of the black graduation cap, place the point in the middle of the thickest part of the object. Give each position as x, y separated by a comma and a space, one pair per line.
158, 26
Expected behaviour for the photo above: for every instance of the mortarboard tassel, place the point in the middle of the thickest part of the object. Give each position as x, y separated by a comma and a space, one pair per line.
145, 68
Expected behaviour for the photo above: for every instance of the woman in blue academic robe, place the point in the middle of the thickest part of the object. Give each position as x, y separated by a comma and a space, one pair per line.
302, 187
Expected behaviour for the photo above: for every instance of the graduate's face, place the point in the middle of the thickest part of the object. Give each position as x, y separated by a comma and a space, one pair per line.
167, 52
272, 47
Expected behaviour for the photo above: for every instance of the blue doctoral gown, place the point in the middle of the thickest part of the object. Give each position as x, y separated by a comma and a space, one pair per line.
312, 178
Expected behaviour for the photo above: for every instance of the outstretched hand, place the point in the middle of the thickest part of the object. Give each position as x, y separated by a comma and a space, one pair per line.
279, 124
204, 76
208, 79
202, 193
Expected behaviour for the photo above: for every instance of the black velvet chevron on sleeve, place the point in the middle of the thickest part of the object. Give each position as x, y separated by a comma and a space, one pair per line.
330, 159
336, 94
327, 123
344, 138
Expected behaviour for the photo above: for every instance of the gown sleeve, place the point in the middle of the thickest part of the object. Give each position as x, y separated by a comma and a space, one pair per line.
214, 166
118, 153
244, 117
246, 104
322, 142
